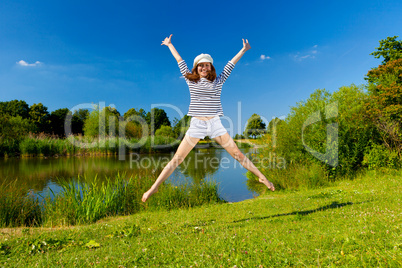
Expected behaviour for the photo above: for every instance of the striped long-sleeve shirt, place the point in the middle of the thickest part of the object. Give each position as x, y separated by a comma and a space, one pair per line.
206, 95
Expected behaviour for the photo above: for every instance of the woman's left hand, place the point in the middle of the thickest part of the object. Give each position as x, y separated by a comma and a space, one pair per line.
246, 45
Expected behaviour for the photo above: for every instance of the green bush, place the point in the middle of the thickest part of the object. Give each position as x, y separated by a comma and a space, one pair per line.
30, 146
341, 112
13, 129
165, 131
379, 156
9, 147
312, 157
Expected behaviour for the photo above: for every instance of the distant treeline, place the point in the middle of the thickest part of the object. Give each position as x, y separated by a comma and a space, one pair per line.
24, 127
18, 117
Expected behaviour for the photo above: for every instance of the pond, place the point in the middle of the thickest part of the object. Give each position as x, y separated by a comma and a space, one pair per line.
40, 174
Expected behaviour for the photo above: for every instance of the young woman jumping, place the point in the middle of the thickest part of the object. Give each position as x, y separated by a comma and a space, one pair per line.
205, 109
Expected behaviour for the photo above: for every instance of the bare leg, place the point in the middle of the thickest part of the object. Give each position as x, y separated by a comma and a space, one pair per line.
185, 147
227, 142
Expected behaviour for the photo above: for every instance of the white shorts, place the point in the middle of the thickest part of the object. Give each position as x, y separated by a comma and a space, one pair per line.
200, 128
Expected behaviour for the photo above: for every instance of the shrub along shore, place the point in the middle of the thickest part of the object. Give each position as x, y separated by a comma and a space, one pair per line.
47, 146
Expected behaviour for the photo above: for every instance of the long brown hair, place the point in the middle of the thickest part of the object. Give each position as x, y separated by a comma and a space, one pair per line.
195, 77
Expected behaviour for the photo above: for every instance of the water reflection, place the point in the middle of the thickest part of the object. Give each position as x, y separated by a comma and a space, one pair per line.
201, 164
214, 164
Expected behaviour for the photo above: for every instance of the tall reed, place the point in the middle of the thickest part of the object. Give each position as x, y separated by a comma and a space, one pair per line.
17, 207
293, 176
80, 202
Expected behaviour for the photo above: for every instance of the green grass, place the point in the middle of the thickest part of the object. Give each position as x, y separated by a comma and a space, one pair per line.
350, 223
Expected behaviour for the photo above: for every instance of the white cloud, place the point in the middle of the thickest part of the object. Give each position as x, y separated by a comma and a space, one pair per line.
299, 57
263, 57
26, 64
308, 54
304, 57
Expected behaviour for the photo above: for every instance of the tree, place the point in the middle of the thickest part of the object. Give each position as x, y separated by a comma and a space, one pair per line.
133, 130
133, 123
272, 125
77, 121
57, 120
40, 117
255, 126
99, 123
238, 137
390, 49
181, 126
14, 128
141, 113
157, 118
384, 105
15, 108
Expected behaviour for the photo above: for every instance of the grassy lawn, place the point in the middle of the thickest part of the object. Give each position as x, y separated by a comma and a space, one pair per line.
352, 223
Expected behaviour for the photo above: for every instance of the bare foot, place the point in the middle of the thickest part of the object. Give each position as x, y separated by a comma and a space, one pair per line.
267, 183
148, 194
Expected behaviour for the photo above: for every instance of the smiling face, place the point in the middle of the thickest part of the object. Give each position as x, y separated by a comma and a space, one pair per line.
203, 69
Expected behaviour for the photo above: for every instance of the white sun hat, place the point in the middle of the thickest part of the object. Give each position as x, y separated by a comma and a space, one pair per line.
203, 58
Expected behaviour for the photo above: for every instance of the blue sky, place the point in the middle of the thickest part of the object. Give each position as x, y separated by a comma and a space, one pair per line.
67, 53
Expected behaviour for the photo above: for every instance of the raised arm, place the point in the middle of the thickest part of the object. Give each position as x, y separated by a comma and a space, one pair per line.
246, 46
167, 42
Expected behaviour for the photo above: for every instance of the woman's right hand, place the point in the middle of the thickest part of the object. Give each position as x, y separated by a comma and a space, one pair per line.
167, 41
169, 44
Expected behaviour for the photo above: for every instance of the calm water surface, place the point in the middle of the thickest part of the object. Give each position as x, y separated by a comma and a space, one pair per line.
40, 174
